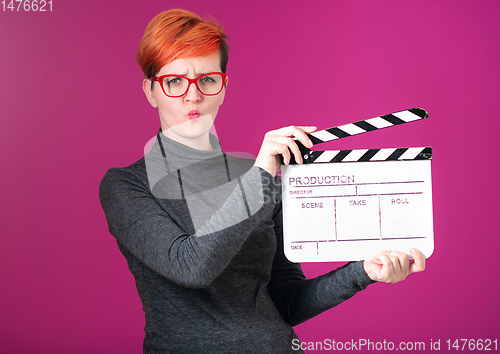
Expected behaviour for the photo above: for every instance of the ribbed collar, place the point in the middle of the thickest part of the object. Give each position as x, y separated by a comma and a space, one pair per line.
179, 155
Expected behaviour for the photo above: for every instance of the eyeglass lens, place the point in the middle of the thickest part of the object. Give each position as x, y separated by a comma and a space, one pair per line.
177, 86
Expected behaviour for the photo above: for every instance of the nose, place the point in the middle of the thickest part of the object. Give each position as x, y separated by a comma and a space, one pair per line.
193, 95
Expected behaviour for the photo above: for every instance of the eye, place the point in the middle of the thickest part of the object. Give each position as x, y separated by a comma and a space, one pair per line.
206, 79
173, 80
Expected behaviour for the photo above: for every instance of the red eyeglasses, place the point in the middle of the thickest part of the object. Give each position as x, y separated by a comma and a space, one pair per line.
210, 84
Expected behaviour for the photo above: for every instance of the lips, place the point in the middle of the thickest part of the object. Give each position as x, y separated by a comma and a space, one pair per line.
194, 114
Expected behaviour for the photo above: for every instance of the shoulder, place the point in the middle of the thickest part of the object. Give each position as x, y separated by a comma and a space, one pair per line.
118, 177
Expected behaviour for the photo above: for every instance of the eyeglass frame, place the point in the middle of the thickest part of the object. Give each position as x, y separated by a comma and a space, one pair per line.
159, 79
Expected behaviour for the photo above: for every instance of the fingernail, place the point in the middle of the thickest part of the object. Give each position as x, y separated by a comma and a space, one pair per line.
310, 143
413, 250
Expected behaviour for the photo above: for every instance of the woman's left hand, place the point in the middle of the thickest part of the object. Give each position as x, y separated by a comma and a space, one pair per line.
393, 266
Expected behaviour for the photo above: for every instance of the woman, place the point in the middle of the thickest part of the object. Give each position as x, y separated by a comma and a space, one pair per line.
202, 231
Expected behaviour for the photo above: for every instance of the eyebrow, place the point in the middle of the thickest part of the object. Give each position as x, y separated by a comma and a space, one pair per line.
197, 75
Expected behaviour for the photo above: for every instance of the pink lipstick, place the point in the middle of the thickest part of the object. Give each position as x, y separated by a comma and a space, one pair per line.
193, 114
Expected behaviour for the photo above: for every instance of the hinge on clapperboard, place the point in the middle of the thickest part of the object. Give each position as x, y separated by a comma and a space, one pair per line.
363, 126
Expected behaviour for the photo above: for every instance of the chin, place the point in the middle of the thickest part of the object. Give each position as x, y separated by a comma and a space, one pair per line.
188, 132
192, 128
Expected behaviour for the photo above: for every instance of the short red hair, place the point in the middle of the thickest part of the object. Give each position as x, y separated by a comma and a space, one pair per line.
179, 33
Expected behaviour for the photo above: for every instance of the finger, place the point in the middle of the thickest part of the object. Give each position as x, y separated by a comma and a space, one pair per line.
396, 263
376, 257
419, 261
376, 261
300, 133
286, 156
387, 270
292, 145
288, 144
403, 261
278, 148
308, 129
394, 272
292, 129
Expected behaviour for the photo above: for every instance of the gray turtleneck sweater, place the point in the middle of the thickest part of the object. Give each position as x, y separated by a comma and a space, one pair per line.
203, 236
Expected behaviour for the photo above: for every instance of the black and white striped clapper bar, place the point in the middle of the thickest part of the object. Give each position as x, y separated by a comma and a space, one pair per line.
343, 205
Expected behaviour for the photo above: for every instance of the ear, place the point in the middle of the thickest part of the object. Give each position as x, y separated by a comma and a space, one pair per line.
146, 87
224, 90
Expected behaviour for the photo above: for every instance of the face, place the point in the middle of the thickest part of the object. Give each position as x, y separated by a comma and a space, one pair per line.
187, 119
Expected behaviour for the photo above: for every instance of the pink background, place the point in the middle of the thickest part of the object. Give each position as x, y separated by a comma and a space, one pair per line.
71, 107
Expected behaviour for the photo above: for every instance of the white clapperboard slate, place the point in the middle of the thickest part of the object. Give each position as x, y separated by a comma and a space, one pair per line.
345, 205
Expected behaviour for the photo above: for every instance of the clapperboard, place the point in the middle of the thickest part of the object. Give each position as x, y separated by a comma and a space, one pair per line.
343, 205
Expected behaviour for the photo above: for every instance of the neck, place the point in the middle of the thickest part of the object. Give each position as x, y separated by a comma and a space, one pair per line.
199, 143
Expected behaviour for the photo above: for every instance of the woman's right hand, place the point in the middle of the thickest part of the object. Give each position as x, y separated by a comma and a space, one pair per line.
280, 142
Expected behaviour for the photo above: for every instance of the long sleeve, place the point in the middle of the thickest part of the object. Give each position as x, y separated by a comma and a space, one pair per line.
154, 230
202, 235
299, 299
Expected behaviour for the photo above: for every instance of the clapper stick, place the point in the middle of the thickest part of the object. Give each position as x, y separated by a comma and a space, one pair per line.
364, 126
